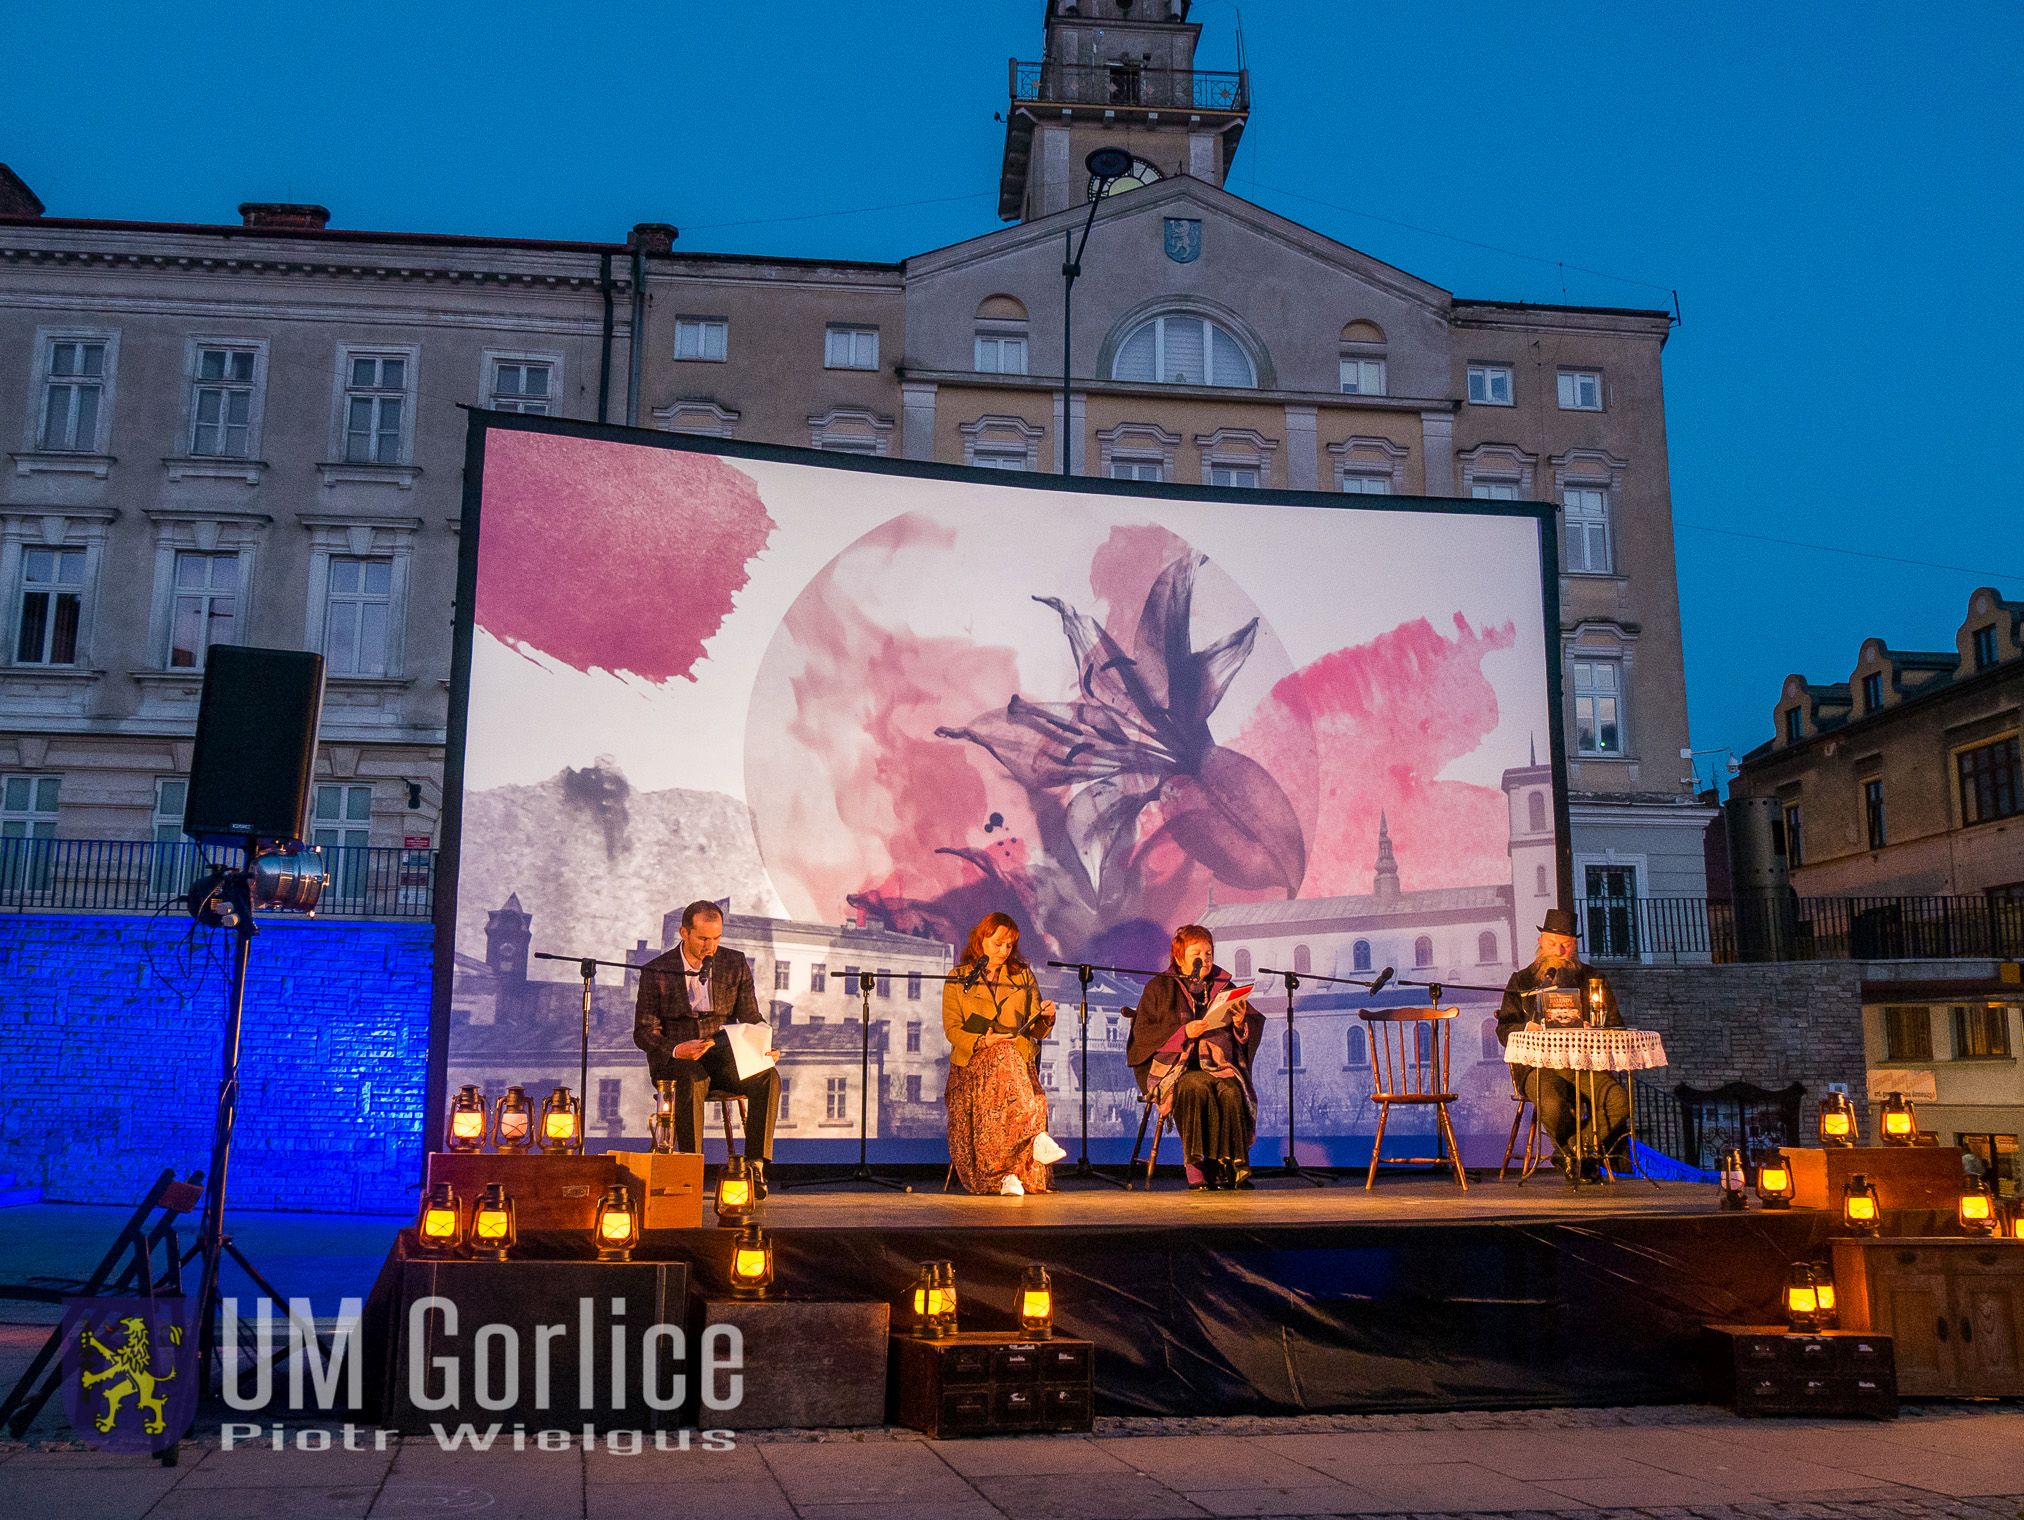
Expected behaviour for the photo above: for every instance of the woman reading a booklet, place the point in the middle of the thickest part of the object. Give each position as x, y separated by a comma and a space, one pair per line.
995, 1018
1193, 1042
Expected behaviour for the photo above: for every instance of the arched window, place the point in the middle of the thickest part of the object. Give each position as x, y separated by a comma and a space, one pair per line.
1303, 959
1492, 1051
1357, 1050
1359, 956
1001, 336
1423, 952
1535, 812
1363, 359
1243, 963
1293, 1047
1486, 947
1181, 348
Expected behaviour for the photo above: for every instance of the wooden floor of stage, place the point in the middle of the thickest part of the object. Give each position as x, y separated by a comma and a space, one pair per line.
1084, 1205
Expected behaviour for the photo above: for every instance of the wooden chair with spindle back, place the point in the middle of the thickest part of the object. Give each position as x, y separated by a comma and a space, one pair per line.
1409, 1064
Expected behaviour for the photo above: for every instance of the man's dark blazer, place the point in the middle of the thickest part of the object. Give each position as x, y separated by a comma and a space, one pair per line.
663, 1019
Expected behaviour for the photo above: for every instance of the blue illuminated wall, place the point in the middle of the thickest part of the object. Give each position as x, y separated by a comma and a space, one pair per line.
110, 1042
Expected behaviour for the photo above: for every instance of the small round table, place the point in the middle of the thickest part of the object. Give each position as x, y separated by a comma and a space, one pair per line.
1587, 1051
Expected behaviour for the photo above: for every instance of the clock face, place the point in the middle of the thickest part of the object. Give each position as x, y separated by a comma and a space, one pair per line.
1140, 173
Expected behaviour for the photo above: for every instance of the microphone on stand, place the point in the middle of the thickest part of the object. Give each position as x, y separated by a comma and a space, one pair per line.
975, 973
1377, 982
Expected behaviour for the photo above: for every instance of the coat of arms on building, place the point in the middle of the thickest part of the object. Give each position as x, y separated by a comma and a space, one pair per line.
1184, 238
130, 1371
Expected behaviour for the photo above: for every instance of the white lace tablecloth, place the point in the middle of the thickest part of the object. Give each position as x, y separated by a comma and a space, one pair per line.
1586, 1049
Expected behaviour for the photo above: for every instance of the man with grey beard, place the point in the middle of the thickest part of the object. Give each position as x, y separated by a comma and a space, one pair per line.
1552, 1091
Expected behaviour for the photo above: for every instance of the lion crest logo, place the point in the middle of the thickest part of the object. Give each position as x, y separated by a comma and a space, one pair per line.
131, 1376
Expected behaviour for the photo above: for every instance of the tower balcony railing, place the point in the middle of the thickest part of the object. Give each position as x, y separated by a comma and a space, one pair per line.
146, 876
1129, 85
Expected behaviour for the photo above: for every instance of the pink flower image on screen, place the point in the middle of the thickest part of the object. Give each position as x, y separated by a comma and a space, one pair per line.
621, 559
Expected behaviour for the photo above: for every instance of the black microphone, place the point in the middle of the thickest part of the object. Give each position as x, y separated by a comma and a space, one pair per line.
1195, 966
1377, 982
976, 971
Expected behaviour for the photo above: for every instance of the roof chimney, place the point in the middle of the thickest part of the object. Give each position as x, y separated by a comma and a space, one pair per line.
284, 214
653, 237
16, 199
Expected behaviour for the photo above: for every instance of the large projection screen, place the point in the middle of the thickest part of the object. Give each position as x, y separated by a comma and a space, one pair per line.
863, 702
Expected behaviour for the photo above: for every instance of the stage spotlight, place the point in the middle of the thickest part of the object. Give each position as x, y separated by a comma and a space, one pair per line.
1802, 1297
1977, 1208
1774, 1181
1036, 1303
751, 1263
1733, 1179
494, 1232
561, 1123
1837, 1120
734, 1192
618, 1224
1861, 1210
468, 1121
1900, 1120
513, 1121
440, 1231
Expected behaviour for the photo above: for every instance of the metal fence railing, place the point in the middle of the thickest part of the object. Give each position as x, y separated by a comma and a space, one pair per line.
1801, 928
139, 876
1130, 84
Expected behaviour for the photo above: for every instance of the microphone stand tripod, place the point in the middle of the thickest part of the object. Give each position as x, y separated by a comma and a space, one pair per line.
1085, 974
862, 1172
1291, 1166
586, 967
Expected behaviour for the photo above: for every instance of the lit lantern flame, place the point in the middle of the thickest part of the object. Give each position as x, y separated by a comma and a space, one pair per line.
1823, 1294
439, 1223
1834, 1125
1802, 1299
750, 1263
734, 1193
562, 1126
1776, 1177
615, 1224
491, 1224
468, 1126
1897, 1123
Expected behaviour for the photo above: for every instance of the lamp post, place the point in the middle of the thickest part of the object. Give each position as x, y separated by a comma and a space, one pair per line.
1106, 166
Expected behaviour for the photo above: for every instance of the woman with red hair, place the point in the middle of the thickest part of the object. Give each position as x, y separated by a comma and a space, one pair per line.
995, 1018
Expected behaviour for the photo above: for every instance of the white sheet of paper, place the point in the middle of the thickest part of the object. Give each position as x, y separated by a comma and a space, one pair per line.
749, 1044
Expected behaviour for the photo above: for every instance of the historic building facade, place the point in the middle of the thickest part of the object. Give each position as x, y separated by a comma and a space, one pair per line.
252, 433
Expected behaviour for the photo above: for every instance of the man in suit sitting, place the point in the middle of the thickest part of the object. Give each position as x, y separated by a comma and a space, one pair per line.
685, 997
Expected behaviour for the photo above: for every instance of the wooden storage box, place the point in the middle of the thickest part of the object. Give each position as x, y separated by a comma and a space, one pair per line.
667, 1189
1830, 1374
1952, 1305
809, 1364
1906, 1176
983, 1383
548, 1192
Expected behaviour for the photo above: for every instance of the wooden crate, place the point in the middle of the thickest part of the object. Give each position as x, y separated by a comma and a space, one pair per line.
982, 1383
1952, 1305
1829, 1374
810, 1364
1906, 1176
668, 1190
548, 1192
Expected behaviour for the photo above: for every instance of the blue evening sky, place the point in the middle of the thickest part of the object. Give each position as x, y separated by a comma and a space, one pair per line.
1833, 188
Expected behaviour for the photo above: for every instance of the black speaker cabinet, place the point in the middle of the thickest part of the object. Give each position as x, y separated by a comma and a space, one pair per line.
256, 744
509, 1343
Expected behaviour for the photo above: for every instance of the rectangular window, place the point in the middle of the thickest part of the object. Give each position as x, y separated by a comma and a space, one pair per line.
1907, 1034
835, 1098
1137, 469
221, 403
913, 1087
1795, 841
885, 983
375, 402
356, 612
610, 1091
913, 1036
52, 606
818, 978
206, 608
785, 1088
913, 986
1588, 546
1985, 648
1362, 377
176, 863
1793, 719
783, 976
1598, 707
1366, 485
1000, 355
1990, 784
704, 338
1580, 390
28, 806
998, 457
850, 348
522, 385
1872, 691
1494, 490
340, 820
1981, 1032
1490, 384
1872, 811
71, 396
1233, 475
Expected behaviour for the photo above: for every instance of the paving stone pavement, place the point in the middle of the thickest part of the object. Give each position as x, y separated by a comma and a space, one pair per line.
1675, 1463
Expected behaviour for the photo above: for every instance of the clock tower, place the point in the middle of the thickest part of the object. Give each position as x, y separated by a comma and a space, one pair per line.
1115, 74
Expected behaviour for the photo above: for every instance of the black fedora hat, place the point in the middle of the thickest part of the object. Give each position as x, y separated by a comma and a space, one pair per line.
1560, 921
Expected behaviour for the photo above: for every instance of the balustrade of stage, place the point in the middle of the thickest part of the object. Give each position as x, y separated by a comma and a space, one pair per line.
1728, 931
140, 876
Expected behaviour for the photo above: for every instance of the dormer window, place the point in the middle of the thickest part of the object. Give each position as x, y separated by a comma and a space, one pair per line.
1000, 347
1985, 647
1793, 721
1872, 691
1362, 361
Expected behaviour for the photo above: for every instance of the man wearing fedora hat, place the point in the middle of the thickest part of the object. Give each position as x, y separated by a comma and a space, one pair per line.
1552, 1091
